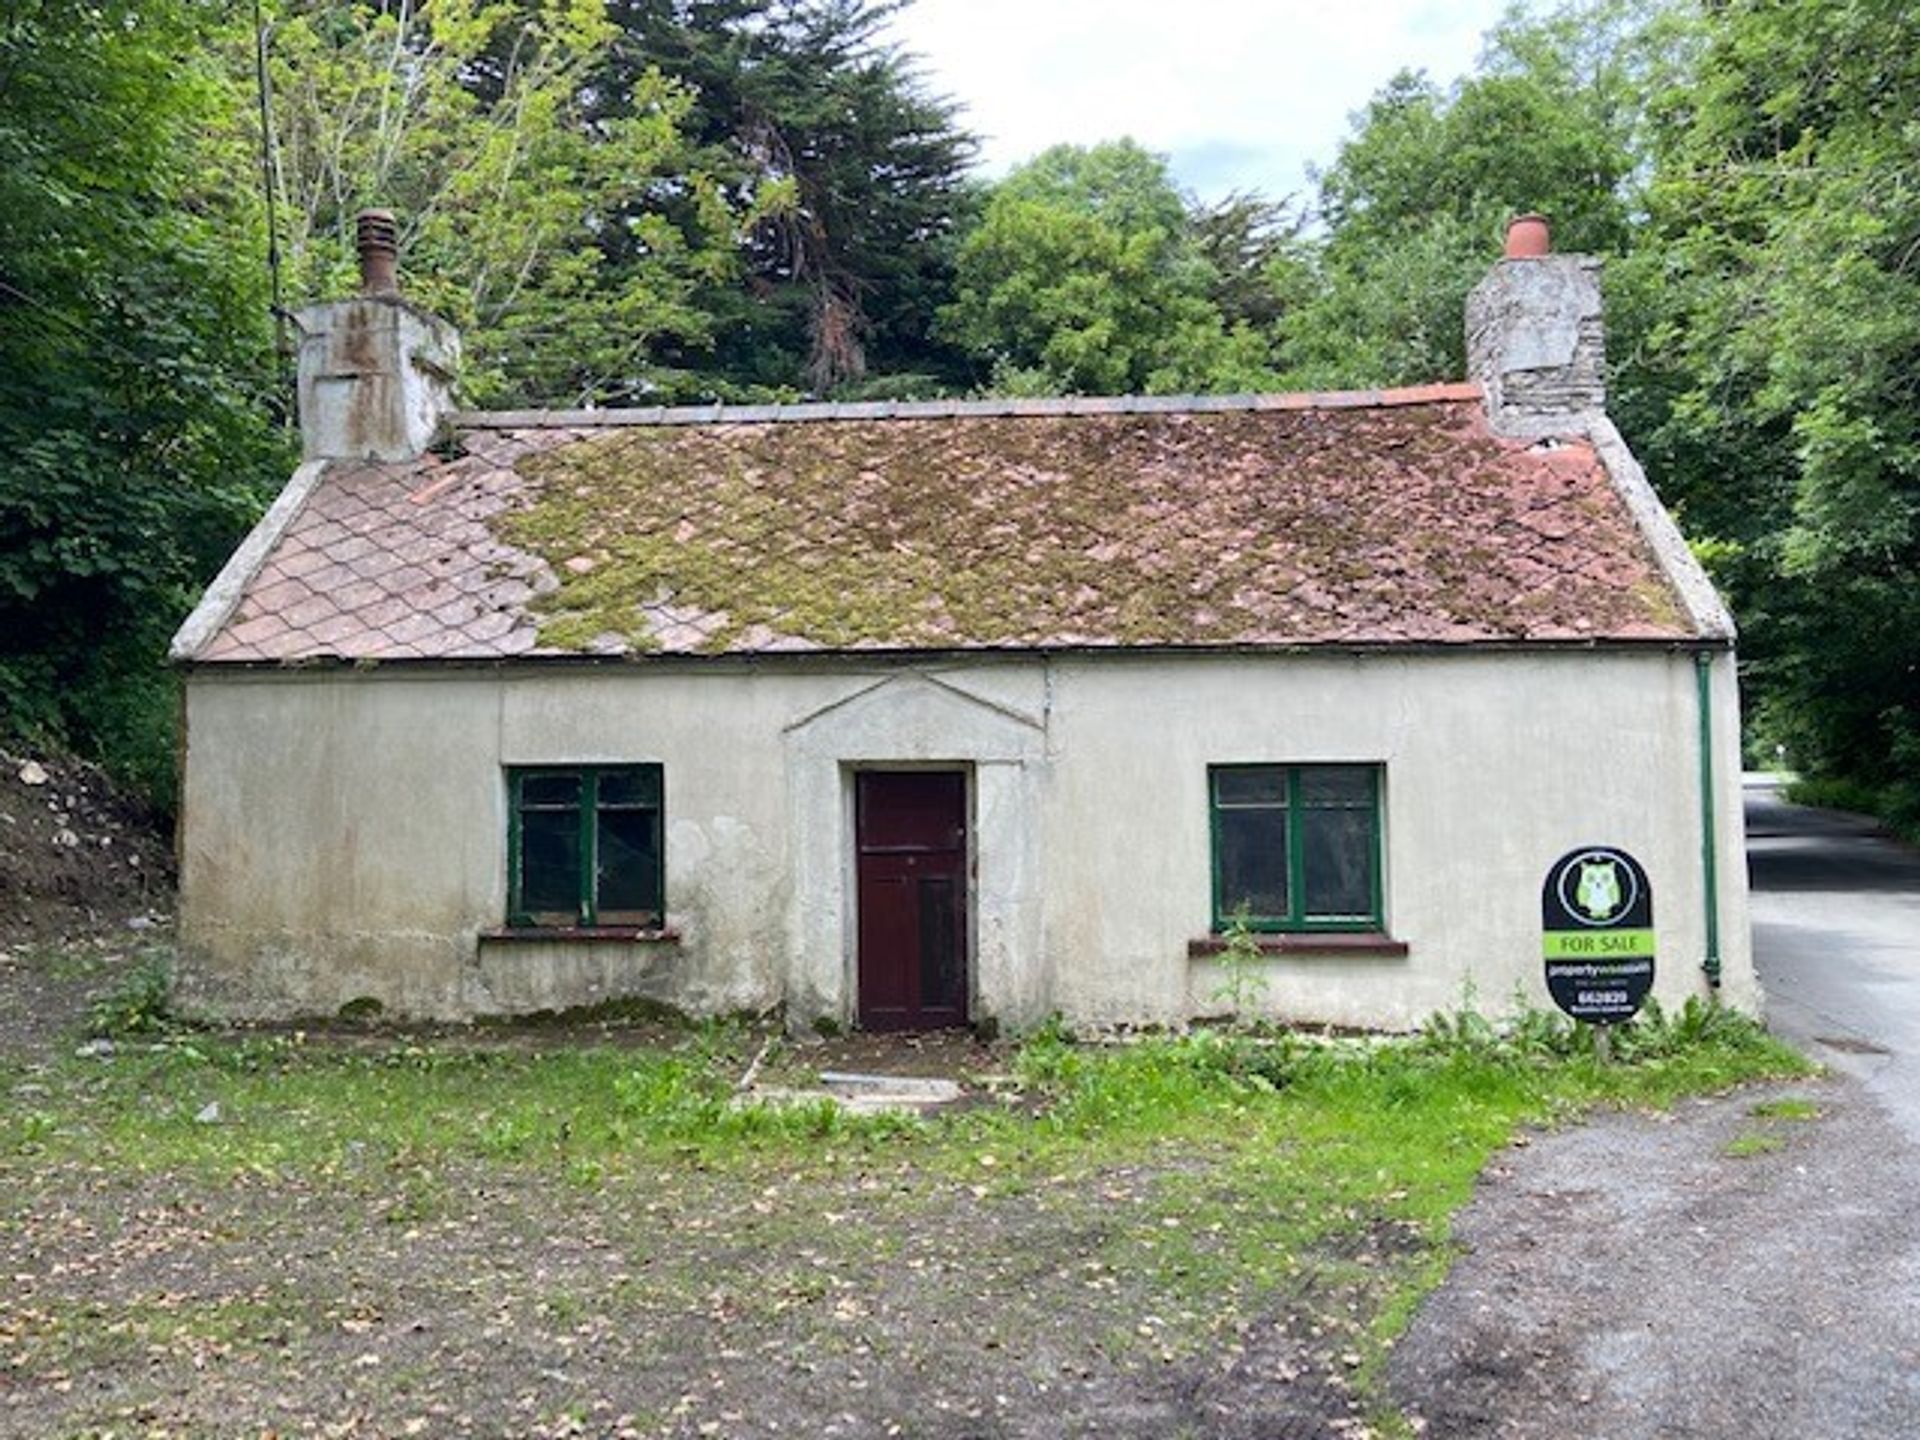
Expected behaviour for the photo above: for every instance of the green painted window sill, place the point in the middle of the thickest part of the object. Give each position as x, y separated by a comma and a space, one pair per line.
1371, 943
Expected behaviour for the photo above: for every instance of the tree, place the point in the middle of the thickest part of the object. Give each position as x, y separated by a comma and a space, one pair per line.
569, 246
853, 177
136, 365
1785, 368
1083, 275
1255, 248
1416, 201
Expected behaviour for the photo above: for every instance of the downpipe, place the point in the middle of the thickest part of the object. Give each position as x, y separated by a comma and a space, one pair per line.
1709, 847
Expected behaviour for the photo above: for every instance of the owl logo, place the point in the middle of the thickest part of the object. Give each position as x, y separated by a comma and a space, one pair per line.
1598, 892
1597, 887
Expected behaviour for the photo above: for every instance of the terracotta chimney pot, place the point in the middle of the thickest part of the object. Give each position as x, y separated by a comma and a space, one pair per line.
1528, 237
378, 238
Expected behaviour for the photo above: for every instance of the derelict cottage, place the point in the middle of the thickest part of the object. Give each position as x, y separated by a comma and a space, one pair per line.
912, 715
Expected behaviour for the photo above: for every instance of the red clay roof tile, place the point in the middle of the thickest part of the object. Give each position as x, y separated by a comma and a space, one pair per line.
1360, 518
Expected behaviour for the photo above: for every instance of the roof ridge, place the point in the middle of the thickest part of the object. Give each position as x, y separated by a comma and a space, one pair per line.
1007, 407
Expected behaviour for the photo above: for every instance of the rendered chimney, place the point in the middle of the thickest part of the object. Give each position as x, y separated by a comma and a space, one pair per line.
375, 373
1535, 336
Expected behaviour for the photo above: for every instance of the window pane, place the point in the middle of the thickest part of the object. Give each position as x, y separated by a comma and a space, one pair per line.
1337, 785
548, 790
550, 864
1253, 862
1338, 858
1250, 785
629, 787
629, 879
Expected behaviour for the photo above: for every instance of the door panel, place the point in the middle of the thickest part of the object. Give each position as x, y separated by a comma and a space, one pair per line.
911, 839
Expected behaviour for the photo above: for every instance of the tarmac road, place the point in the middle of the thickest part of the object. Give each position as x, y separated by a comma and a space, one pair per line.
1631, 1279
1836, 938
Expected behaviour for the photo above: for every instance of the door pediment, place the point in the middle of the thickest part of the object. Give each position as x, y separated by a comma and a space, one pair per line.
917, 716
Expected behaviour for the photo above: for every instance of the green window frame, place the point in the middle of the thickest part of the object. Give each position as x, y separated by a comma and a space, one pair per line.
1296, 847
585, 846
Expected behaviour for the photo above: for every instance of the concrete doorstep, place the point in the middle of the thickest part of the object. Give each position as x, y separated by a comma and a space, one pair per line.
860, 1094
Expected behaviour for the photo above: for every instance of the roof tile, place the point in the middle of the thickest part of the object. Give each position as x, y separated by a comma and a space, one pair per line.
1363, 517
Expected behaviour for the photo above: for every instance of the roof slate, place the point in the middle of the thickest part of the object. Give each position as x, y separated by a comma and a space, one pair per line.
1363, 518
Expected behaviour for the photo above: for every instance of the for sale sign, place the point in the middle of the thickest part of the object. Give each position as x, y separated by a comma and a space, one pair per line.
1596, 918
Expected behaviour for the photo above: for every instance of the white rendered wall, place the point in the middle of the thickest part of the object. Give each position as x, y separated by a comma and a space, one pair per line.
343, 833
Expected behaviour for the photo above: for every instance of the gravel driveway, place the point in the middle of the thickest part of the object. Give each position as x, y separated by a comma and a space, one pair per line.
1738, 1268
1631, 1278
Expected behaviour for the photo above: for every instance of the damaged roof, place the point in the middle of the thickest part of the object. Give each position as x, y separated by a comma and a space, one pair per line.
1365, 518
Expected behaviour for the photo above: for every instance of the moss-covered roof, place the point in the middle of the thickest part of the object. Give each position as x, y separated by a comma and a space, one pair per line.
1378, 518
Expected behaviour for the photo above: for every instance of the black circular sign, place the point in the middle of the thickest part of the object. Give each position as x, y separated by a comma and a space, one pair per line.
1596, 919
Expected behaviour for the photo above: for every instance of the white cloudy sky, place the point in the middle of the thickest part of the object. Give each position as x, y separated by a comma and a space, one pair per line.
1241, 94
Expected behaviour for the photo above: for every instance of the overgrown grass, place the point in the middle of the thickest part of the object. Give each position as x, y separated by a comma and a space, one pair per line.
1279, 1164
1463, 1084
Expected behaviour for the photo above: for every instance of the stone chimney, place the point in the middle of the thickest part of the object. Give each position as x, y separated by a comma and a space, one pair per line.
375, 373
1535, 338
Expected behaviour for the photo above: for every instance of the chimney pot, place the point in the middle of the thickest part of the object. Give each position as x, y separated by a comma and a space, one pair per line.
1528, 237
378, 238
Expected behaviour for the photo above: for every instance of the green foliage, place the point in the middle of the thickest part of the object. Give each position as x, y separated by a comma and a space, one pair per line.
1787, 1107
137, 390
1243, 969
539, 228
1780, 247
1897, 802
1083, 277
1419, 196
141, 1004
855, 180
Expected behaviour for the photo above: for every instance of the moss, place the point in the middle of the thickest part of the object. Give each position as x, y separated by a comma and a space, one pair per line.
989, 531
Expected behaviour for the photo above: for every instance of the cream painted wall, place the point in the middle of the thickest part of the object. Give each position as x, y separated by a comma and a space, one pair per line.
344, 832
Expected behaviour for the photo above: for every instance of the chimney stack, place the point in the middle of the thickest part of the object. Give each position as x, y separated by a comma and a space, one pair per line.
375, 373
1535, 337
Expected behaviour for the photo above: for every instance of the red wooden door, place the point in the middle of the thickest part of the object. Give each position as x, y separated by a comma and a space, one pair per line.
910, 832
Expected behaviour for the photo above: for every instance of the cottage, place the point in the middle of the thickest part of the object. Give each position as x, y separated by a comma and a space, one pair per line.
913, 715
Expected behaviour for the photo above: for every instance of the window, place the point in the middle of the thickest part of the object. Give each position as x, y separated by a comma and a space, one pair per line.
583, 846
1296, 846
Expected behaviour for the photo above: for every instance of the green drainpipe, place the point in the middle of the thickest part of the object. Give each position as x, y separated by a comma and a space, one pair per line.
1709, 856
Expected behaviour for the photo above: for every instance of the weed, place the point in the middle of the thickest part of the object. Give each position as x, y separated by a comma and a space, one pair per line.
1788, 1107
139, 1005
29, 1131
1243, 970
1751, 1143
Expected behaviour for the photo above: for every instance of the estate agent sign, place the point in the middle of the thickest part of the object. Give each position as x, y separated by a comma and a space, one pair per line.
1596, 912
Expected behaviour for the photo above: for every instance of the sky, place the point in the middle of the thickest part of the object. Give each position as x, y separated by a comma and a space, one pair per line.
1242, 95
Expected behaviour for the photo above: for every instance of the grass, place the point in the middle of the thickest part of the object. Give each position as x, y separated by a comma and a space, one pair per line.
1788, 1107
1206, 1181
1765, 1141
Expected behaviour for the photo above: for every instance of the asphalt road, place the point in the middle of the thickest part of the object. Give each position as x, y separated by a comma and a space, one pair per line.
1836, 938
1717, 1273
